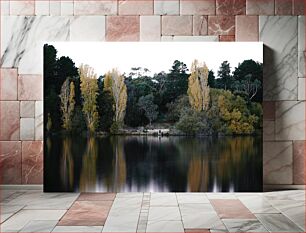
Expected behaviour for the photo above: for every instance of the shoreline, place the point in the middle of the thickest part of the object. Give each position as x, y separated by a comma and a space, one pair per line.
103, 134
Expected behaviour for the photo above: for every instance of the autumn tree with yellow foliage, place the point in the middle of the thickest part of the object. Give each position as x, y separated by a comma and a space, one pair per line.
114, 83
89, 92
67, 97
198, 89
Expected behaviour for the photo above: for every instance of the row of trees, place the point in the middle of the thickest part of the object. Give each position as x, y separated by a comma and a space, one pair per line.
193, 103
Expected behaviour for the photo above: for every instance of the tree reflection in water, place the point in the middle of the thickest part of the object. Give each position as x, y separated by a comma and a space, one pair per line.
66, 168
88, 177
137, 163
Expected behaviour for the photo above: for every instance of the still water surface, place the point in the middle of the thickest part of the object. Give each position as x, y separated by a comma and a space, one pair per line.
152, 164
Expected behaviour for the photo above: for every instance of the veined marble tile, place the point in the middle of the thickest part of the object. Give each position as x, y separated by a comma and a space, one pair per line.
39, 226
177, 25
190, 209
97, 197
260, 7
277, 223
192, 198
286, 205
163, 199
165, 226
122, 219
301, 46
200, 216
221, 196
268, 130
150, 29
299, 162
246, 28
39, 200
9, 120
298, 7
20, 219
42, 7
294, 195
135, 7
105, 7
78, 229
283, 7
5, 7
166, 7
27, 109
257, 204
227, 38
232, 7
127, 202
203, 7
294, 210
55, 7
27, 128
90, 213
66, 7
16, 194
190, 38
301, 89
6, 194
22, 7
39, 121
32, 162
279, 34
167, 213
23, 38
122, 28
231, 209
30, 87
129, 195
8, 210
52, 201
8, 84
87, 28
200, 25
221, 25
209, 220
277, 162
239, 225
290, 120
268, 110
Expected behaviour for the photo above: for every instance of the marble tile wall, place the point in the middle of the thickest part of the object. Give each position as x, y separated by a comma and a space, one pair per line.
26, 24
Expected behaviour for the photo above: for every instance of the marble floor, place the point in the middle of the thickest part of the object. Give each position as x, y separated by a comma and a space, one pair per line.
35, 211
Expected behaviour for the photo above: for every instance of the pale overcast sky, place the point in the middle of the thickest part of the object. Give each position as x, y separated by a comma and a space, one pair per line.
157, 56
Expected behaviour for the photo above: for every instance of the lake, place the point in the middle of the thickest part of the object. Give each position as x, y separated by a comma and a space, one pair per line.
152, 164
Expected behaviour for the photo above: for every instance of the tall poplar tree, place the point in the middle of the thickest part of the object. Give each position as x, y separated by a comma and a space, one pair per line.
89, 91
67, 97
114, 83
198, 89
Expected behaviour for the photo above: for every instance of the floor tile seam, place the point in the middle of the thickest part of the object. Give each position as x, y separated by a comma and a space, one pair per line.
38, 220
292, 220
242, 205
9, 197
255, 220
298, 227
278, 209
140, 213
181, 216
25, 208
11, 216
108, 211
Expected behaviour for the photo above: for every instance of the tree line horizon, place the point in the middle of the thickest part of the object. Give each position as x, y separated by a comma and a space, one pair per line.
188, 102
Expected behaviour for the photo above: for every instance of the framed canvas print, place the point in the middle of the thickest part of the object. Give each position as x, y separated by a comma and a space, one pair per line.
153, 117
